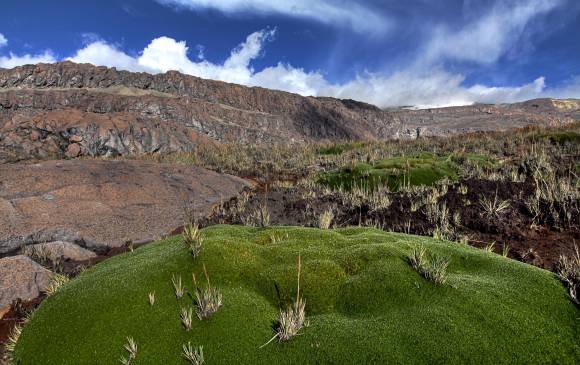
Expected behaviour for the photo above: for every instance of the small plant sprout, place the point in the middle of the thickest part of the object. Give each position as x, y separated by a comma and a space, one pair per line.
56, 281
292, 319
178, 288
506, 250
131, 348
490, 247
207, 301
152, 299
325, 219
193, 354
186, 316
192, 239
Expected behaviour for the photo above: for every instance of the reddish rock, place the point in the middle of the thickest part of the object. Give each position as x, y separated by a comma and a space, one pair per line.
21, 278
102, 204
73, 150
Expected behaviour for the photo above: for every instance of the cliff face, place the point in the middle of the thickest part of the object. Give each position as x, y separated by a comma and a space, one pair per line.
68, 109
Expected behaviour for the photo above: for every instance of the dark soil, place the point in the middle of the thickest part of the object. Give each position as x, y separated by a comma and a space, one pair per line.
540, 243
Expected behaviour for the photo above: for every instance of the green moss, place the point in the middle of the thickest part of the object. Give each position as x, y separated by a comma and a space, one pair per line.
365, 304
422, 169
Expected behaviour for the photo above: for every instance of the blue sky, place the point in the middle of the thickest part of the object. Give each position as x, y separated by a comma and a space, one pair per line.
386, 52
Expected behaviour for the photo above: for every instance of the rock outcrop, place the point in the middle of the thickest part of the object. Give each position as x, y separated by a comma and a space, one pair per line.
70, 110
21, 278
102, 204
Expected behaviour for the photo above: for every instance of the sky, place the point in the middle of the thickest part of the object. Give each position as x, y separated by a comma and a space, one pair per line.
422, 53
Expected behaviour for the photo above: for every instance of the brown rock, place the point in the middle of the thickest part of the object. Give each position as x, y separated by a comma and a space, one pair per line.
59, 249
73, 150
75, 138
21, 278
101, 204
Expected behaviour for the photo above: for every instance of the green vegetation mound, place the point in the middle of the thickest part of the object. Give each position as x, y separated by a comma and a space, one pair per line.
365, 304
420, 169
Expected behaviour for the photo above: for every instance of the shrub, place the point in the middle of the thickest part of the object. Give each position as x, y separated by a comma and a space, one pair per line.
193, 354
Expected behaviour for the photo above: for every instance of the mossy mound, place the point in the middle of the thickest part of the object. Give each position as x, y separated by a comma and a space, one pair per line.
364, 302
422, 169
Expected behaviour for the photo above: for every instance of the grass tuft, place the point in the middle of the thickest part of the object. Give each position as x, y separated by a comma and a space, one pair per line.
193, 354
431, 267
131, 348
56, 282
208, 300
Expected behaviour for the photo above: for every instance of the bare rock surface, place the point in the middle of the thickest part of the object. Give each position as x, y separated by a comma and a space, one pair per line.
65, 110
60, 249
21, 278
102, 204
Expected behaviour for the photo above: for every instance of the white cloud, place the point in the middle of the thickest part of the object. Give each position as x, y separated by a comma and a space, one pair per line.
333, 12
423, 83
488, 38
3, 40
103, 54
13, 60
428, 88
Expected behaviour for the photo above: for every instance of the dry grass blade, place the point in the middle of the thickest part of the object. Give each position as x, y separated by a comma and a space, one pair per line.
193, 354
325, 219
207, 301
186, 316
56, 281
178, 288
131, 348
192, 239
292, 319
569, 272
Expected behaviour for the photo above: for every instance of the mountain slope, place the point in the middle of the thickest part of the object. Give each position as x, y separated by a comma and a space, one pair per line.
67, 109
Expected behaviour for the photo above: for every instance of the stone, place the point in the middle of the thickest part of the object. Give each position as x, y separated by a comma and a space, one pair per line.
21, 278
102, 204
73, 150
75, 138
67, 250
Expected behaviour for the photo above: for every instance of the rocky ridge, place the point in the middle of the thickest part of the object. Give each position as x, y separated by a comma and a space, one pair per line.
69, 110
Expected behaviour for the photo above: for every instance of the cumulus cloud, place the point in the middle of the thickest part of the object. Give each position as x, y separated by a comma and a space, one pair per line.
352, 14
423, 83
13, 60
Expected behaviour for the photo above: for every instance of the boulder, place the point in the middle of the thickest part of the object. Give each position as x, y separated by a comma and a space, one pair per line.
21, 278
60, 249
